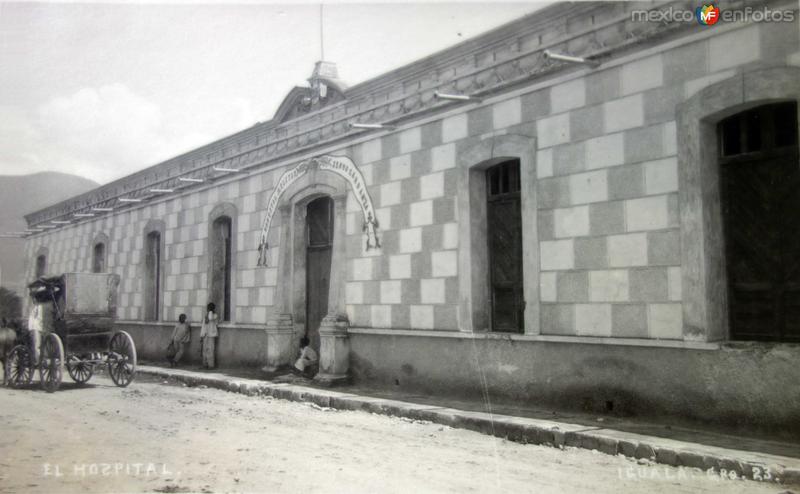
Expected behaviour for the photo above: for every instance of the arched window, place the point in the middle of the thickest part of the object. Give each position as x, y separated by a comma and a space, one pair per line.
41, 265
152, 278
221, 252
99, 258
760, 192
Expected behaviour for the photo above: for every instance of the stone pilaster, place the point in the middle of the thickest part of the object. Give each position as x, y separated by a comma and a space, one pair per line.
280, 325
280, 334
334, 362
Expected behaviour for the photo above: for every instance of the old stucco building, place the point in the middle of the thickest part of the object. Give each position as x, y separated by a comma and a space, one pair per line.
600, 235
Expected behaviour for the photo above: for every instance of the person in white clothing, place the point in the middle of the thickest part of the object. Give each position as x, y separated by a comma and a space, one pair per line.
208, 336
308, 360
35, 328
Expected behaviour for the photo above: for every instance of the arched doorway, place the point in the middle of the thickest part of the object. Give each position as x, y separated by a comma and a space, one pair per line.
319, 249
760, 191
515, 190
704, 284
311, 297
152, 279
99, 258
221, 239
41, 265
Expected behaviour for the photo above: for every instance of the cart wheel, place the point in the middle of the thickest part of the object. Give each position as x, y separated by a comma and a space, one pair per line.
50, 361
122, 359
79, 370
19, 367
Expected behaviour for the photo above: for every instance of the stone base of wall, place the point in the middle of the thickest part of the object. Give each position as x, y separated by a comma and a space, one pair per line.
752, 387
236, 346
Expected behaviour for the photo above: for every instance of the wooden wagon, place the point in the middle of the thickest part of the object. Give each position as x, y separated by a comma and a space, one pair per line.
75, 313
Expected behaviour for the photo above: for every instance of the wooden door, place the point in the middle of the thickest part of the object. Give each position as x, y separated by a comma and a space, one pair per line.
41, 264
221, 266
760, 177
99, 258
319, 246
152, 281
504, 222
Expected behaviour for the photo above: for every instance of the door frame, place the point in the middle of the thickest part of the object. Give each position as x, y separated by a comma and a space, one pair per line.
290, 296
703, 267
473, 283
231, 211
770, 156
286, 324
153, 294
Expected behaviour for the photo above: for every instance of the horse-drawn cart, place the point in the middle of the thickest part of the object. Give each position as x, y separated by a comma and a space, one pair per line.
73, 316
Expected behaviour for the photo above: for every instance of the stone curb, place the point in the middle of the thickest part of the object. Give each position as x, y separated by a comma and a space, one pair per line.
713, 461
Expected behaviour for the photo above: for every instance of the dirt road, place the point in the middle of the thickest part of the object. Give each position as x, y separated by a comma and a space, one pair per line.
156, 438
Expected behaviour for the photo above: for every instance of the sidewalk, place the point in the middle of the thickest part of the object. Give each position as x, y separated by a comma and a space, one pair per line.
676, 447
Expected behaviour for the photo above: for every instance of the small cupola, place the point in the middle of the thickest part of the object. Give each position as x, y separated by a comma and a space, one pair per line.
324, 79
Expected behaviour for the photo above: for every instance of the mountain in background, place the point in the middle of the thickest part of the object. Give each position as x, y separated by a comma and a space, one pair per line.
23, 194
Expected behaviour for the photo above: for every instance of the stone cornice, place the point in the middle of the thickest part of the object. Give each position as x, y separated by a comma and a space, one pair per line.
494, 62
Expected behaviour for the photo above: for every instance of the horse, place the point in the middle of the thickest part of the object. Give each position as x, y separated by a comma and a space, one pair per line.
8, 338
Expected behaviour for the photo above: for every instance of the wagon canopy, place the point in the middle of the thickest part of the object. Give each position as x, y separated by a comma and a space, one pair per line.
76, 304
46, 289
78, 293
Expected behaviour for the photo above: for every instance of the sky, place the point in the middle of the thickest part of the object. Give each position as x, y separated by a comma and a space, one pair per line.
102, 90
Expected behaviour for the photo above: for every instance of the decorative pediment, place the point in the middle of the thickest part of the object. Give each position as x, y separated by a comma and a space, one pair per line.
295, 104
325, 89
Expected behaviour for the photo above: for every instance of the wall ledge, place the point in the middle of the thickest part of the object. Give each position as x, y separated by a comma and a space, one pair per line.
746, 346
194, 324
640, 342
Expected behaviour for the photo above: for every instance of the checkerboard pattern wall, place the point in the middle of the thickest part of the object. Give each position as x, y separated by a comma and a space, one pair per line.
184, 259
411, 282
610, 243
